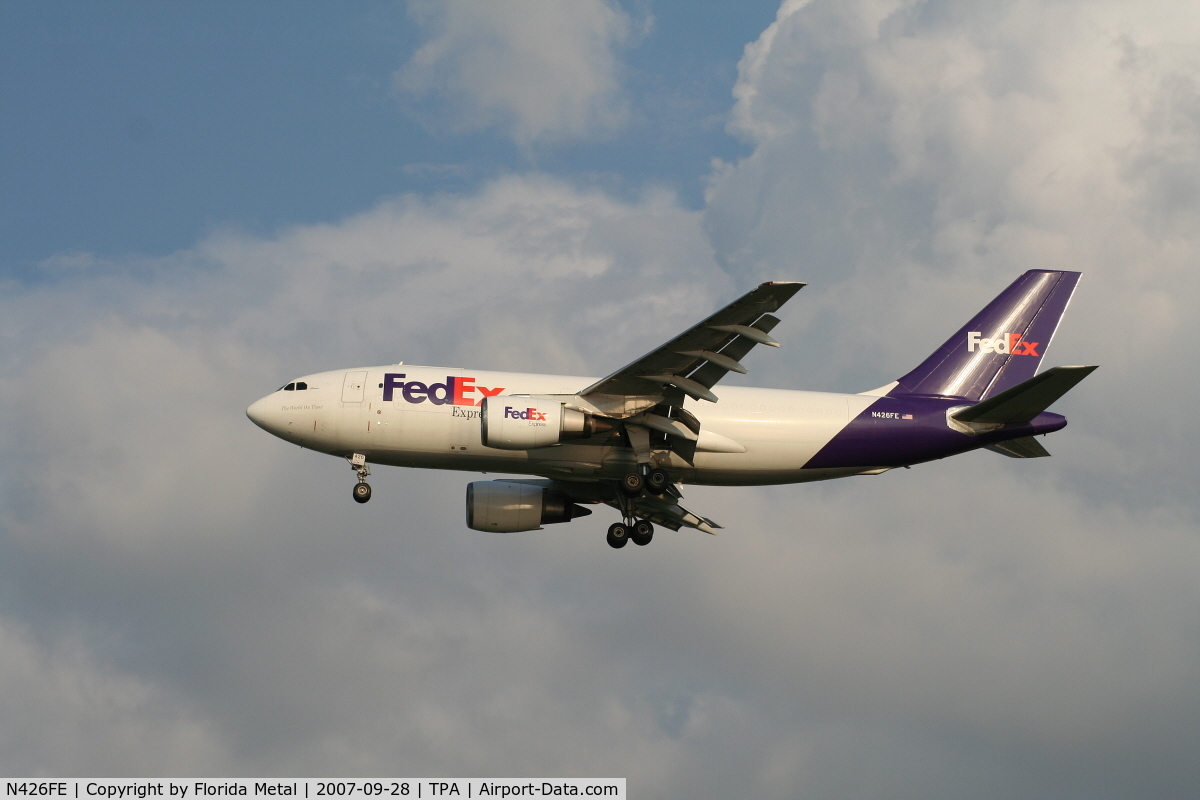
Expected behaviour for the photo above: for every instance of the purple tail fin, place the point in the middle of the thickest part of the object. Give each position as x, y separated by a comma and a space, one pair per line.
1001, 346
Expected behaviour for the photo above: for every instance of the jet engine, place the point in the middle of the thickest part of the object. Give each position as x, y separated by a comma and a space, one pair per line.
505, 507
524, 423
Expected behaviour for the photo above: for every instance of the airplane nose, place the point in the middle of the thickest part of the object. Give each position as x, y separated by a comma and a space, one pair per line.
257, 412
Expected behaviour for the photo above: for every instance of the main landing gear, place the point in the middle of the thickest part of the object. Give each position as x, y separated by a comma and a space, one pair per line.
362, 489
641, 531
655, 481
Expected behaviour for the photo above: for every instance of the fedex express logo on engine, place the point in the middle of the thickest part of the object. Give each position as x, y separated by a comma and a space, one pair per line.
454, 391
1011, 343
531, 414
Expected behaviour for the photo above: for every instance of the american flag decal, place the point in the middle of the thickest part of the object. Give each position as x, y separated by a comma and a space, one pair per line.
906, 416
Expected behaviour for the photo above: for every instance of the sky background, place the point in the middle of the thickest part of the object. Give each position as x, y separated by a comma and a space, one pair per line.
199, 202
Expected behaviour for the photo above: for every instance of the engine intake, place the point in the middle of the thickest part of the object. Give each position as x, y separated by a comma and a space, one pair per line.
525, 423
504, 507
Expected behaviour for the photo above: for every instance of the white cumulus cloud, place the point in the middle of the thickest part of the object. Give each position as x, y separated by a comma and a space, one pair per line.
910, 158
540, 70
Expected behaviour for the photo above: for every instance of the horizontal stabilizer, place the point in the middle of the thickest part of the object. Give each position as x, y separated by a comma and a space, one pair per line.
1025, 447
1026, 400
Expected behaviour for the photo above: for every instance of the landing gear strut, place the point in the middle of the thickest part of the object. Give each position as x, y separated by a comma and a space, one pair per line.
362, 489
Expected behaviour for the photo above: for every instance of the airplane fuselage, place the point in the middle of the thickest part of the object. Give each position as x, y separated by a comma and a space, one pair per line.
629, 440
429, 417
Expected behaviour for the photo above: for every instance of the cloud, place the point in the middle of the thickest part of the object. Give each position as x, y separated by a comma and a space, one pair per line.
243, 616
542, 72
910, 158
981, 627
70, 710
162, 524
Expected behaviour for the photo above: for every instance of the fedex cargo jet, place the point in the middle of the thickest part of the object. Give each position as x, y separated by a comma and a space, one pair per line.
630, 440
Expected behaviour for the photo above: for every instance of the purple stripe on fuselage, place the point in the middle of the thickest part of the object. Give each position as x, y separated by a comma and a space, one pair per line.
897, 431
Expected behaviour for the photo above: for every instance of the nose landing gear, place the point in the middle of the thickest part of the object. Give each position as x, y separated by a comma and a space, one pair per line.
362, 490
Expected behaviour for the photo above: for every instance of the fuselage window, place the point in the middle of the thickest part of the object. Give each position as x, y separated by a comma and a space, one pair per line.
301, 385
291, 387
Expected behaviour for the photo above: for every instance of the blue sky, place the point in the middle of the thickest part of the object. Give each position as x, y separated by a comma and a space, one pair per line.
201, 202
137, 127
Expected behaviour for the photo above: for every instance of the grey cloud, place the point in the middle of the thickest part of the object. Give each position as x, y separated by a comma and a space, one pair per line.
61, 707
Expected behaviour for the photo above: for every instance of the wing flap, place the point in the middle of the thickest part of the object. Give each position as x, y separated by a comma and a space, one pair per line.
665, 511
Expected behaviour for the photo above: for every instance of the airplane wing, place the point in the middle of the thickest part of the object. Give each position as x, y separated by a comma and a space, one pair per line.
692, 362
687, 366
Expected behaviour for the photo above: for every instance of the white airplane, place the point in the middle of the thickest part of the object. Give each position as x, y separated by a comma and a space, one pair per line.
631, 439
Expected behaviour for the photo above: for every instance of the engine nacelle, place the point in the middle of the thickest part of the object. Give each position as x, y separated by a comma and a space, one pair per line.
504, 507
525, 423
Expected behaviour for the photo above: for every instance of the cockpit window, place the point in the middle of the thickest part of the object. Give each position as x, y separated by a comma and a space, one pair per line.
301, 385
291, 387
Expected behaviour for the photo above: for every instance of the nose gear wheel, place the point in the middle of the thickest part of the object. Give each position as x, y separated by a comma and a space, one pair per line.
362, 490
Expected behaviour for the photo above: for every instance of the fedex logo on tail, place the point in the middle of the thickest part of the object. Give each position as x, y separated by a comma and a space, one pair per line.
454, 391
531, 414
1009, 343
